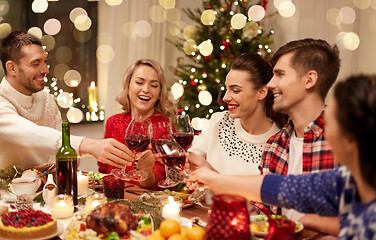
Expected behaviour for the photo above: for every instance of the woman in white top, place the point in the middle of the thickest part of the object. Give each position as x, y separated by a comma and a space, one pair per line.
232, 142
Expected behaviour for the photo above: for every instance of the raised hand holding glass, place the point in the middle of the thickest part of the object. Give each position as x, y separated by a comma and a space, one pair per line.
137, 138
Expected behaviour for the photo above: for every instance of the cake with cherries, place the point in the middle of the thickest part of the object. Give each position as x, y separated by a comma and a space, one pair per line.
27, 224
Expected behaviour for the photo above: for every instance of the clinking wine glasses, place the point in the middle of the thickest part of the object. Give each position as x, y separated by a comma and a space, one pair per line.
172, 154
137, 138
182, 131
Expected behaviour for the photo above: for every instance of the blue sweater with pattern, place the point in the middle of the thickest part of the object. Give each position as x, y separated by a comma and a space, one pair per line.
330, 193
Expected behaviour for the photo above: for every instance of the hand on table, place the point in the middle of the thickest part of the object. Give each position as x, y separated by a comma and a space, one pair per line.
108, 151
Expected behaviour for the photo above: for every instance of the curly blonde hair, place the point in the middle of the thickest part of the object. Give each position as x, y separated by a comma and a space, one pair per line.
164, 105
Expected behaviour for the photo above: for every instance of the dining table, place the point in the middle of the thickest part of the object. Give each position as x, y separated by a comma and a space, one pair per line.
199, 211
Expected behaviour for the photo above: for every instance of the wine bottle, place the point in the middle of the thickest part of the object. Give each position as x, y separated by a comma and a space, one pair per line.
66, 166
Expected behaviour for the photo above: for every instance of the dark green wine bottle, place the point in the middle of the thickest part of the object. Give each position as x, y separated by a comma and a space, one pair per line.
66, 166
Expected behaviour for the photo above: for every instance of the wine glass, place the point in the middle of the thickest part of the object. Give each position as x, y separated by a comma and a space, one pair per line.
182, 131
157, 144
137, 137
172, 154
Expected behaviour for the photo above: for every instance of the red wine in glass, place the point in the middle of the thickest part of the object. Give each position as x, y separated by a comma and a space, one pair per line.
169, 150
175, 160
184, 139
137, 143
137, 139
155, 144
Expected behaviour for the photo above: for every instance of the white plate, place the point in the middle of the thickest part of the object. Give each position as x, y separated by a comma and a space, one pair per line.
264, 234
59, 231
11, 197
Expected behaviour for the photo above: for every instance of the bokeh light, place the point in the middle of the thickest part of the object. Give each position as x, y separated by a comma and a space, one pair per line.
75, 115
143, 29
332, 16
362, 4
173, 15
105, 54
286, 9
4, 8
49, 42
76, 12
347, 15
63, 54
72, 78
167, 4
339, 40
65, 100
256, 13
5, 30
52, 26
59, 70
157, 14
206, 48
351, 41
114, 2
205, 98
250, 29
189, 32
189, 46
39, 6
128, 29
208, 17
279, 2
238, 21
195, 123
82, 23
35, 31
177, 90
174, 29
81, 36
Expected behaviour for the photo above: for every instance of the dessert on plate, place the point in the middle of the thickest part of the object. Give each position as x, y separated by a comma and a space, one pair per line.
27, 224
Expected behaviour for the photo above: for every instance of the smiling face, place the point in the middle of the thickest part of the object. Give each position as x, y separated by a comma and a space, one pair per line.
144, 90
241, 96
31, 69
287, 85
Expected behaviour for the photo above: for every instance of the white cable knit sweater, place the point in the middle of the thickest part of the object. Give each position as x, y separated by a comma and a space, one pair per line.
30, 128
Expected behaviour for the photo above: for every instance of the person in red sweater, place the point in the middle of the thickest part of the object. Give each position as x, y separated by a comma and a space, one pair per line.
144, 97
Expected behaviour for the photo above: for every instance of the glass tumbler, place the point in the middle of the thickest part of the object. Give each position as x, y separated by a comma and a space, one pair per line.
113, 187
228, 219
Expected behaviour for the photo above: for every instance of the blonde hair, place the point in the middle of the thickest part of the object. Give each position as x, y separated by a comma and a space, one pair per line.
164, 105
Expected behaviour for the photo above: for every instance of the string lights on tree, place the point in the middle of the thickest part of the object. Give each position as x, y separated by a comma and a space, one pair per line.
221, 31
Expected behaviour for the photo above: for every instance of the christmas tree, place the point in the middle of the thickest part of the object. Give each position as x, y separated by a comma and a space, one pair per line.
222, 30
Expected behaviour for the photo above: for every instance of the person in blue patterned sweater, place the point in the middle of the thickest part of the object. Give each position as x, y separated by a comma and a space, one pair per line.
348, 191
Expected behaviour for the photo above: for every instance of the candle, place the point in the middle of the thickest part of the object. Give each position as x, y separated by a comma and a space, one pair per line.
94, 201
171, 209
62, 206
93, 95
82, 184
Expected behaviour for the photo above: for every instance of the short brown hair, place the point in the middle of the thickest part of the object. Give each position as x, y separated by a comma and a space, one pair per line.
164, 105
313, 54
10, 46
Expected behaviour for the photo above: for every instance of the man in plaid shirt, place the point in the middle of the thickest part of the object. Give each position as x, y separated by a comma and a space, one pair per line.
304, 71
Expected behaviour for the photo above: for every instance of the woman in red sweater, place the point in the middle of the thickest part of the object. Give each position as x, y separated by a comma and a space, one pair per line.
144, 97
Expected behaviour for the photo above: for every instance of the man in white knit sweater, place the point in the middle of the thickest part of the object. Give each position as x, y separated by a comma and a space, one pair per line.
30, 121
